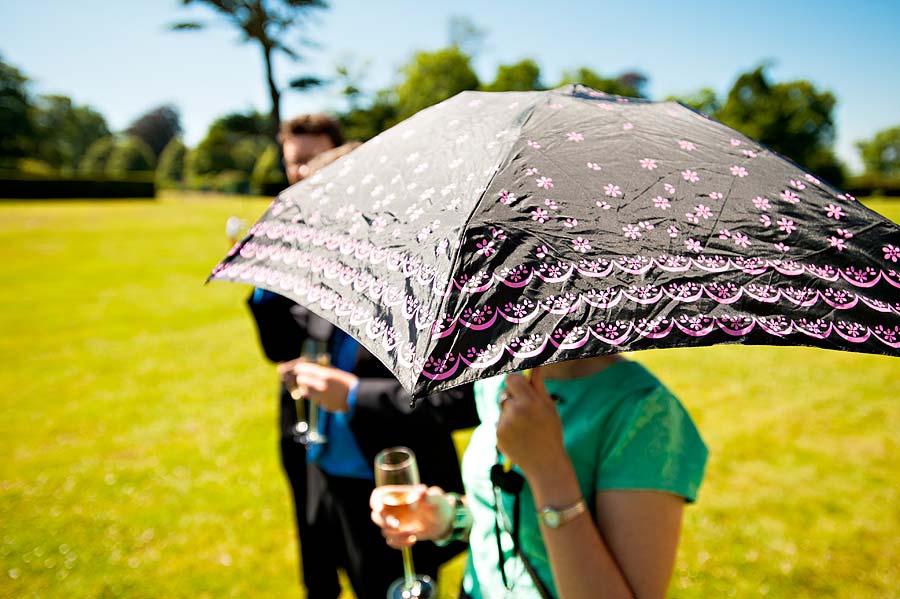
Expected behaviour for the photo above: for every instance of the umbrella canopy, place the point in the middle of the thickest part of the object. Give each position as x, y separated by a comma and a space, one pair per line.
500, 231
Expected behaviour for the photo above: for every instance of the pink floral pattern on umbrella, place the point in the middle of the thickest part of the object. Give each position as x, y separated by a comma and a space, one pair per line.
687, 234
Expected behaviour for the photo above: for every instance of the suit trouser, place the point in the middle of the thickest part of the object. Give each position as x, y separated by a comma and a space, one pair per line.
317, 569
355, 541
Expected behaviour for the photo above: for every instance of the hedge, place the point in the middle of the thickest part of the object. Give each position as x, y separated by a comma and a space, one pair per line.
271, 188
867, 185
17, 186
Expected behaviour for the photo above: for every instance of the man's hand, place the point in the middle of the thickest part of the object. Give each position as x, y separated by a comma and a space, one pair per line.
324, 385
286, 372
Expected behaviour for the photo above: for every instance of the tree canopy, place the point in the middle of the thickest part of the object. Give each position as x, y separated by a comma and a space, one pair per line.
793, 118
16, 124
64, 131
881, 154
704, 100
94, 160
269, 24
157, 127
521, 76
432, 77
629, 84
170, 170
233, 142
130, 154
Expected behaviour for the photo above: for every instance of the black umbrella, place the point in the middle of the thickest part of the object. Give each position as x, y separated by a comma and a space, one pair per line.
499, 231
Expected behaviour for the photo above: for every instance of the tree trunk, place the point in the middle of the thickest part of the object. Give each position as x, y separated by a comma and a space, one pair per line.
275, 114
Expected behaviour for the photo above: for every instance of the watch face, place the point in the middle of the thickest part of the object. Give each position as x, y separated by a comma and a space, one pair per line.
551, 519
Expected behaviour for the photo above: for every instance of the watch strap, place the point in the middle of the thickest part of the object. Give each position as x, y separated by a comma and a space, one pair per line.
461, 524
561, 516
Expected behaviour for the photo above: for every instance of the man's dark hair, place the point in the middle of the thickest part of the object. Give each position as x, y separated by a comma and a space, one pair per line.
313, 124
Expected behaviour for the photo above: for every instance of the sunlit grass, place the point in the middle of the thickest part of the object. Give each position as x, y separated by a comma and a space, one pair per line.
139, 449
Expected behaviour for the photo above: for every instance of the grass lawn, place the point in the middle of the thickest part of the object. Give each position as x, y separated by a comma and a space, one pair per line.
139, 449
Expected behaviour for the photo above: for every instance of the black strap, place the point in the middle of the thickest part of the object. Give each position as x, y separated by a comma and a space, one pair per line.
512, 482
499, 545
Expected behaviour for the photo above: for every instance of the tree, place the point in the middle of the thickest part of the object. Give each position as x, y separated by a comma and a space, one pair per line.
239, 123
216, 152
16, 126
349, 77
365, 123
128, 155
629, 84
881, 154
157, 127
247, 151
793, 118
65, 131
212, 155
170, 170
267, 169
524, 75
96, 156
268, 24
431, 77
634, 80
703, 100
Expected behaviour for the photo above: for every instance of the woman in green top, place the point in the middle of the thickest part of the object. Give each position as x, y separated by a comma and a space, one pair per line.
609, 458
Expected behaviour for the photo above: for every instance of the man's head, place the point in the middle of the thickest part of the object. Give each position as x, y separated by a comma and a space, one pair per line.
303, 138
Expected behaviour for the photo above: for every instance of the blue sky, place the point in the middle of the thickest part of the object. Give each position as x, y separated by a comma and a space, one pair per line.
119, 57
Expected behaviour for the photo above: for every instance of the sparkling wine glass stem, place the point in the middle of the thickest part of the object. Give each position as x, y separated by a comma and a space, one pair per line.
409, 571
301, 412
314, 417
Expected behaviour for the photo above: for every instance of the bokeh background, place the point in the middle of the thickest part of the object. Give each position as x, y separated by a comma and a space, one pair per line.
138, 452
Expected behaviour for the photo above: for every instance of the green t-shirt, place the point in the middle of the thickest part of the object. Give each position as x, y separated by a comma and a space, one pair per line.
622, 429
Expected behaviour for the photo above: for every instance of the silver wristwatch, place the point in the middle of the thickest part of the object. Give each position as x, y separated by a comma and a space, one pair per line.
554, 518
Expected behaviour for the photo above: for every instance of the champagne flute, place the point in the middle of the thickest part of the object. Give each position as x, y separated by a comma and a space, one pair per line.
301, 429
314, 435
396, 470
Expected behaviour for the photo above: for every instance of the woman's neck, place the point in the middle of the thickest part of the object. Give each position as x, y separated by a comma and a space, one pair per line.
576, 369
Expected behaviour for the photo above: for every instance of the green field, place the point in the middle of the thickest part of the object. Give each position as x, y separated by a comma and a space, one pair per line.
138, 430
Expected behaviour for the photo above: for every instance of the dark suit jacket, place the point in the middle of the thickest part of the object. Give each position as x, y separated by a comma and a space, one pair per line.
383, 416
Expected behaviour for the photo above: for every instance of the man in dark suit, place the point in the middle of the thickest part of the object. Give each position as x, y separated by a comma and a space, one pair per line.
367, 411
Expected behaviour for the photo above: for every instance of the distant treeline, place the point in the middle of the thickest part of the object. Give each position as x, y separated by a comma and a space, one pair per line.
52, 137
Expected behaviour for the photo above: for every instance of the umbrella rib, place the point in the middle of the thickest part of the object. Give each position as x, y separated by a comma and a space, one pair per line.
525, 116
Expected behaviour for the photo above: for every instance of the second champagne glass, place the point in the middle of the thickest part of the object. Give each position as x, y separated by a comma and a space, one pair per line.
397, 472
314, 435
302, 427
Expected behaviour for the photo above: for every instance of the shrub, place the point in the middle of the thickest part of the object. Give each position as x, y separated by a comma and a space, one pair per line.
130, 154
267, 172
170, 170
231, 182
96, 156
33, 166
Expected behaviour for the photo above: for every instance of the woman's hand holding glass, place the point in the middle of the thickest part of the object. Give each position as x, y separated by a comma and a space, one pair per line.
431, 519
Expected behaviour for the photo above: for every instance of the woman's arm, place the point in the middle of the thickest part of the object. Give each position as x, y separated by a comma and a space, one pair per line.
630, 551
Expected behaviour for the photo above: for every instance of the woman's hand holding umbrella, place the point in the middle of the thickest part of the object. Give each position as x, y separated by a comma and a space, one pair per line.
529, 431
